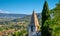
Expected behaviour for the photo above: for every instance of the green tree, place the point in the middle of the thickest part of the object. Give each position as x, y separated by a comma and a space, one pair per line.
56, 20
45, 13
45, 16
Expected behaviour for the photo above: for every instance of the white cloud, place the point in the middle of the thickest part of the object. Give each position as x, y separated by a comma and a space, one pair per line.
2, 11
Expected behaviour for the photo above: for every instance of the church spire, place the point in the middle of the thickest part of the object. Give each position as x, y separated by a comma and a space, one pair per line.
34, 26
34, 20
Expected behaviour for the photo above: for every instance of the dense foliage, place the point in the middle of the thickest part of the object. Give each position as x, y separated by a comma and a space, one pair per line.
45, 16
52, 25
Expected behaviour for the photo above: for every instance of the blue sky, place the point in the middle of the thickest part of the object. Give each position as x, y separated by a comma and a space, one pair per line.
24, 6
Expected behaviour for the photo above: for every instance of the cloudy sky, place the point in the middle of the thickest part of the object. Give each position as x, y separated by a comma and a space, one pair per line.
24, 6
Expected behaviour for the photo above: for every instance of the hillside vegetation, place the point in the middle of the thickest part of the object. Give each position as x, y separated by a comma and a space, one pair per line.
51, 24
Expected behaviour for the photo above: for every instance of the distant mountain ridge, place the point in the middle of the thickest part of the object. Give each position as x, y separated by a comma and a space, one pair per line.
5, 15
26, 18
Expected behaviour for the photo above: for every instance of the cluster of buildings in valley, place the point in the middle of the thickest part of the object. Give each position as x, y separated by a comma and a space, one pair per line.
5, 33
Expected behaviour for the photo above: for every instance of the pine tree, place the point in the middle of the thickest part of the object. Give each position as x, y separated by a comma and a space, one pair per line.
45, 16
45, 12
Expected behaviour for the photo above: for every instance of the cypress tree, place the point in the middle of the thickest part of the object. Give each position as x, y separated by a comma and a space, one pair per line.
45, 16
45, 12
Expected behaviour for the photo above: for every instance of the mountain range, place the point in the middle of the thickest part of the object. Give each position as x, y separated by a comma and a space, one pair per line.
5, 15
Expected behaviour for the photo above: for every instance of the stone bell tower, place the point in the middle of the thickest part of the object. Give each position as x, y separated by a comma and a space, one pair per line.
34, 26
